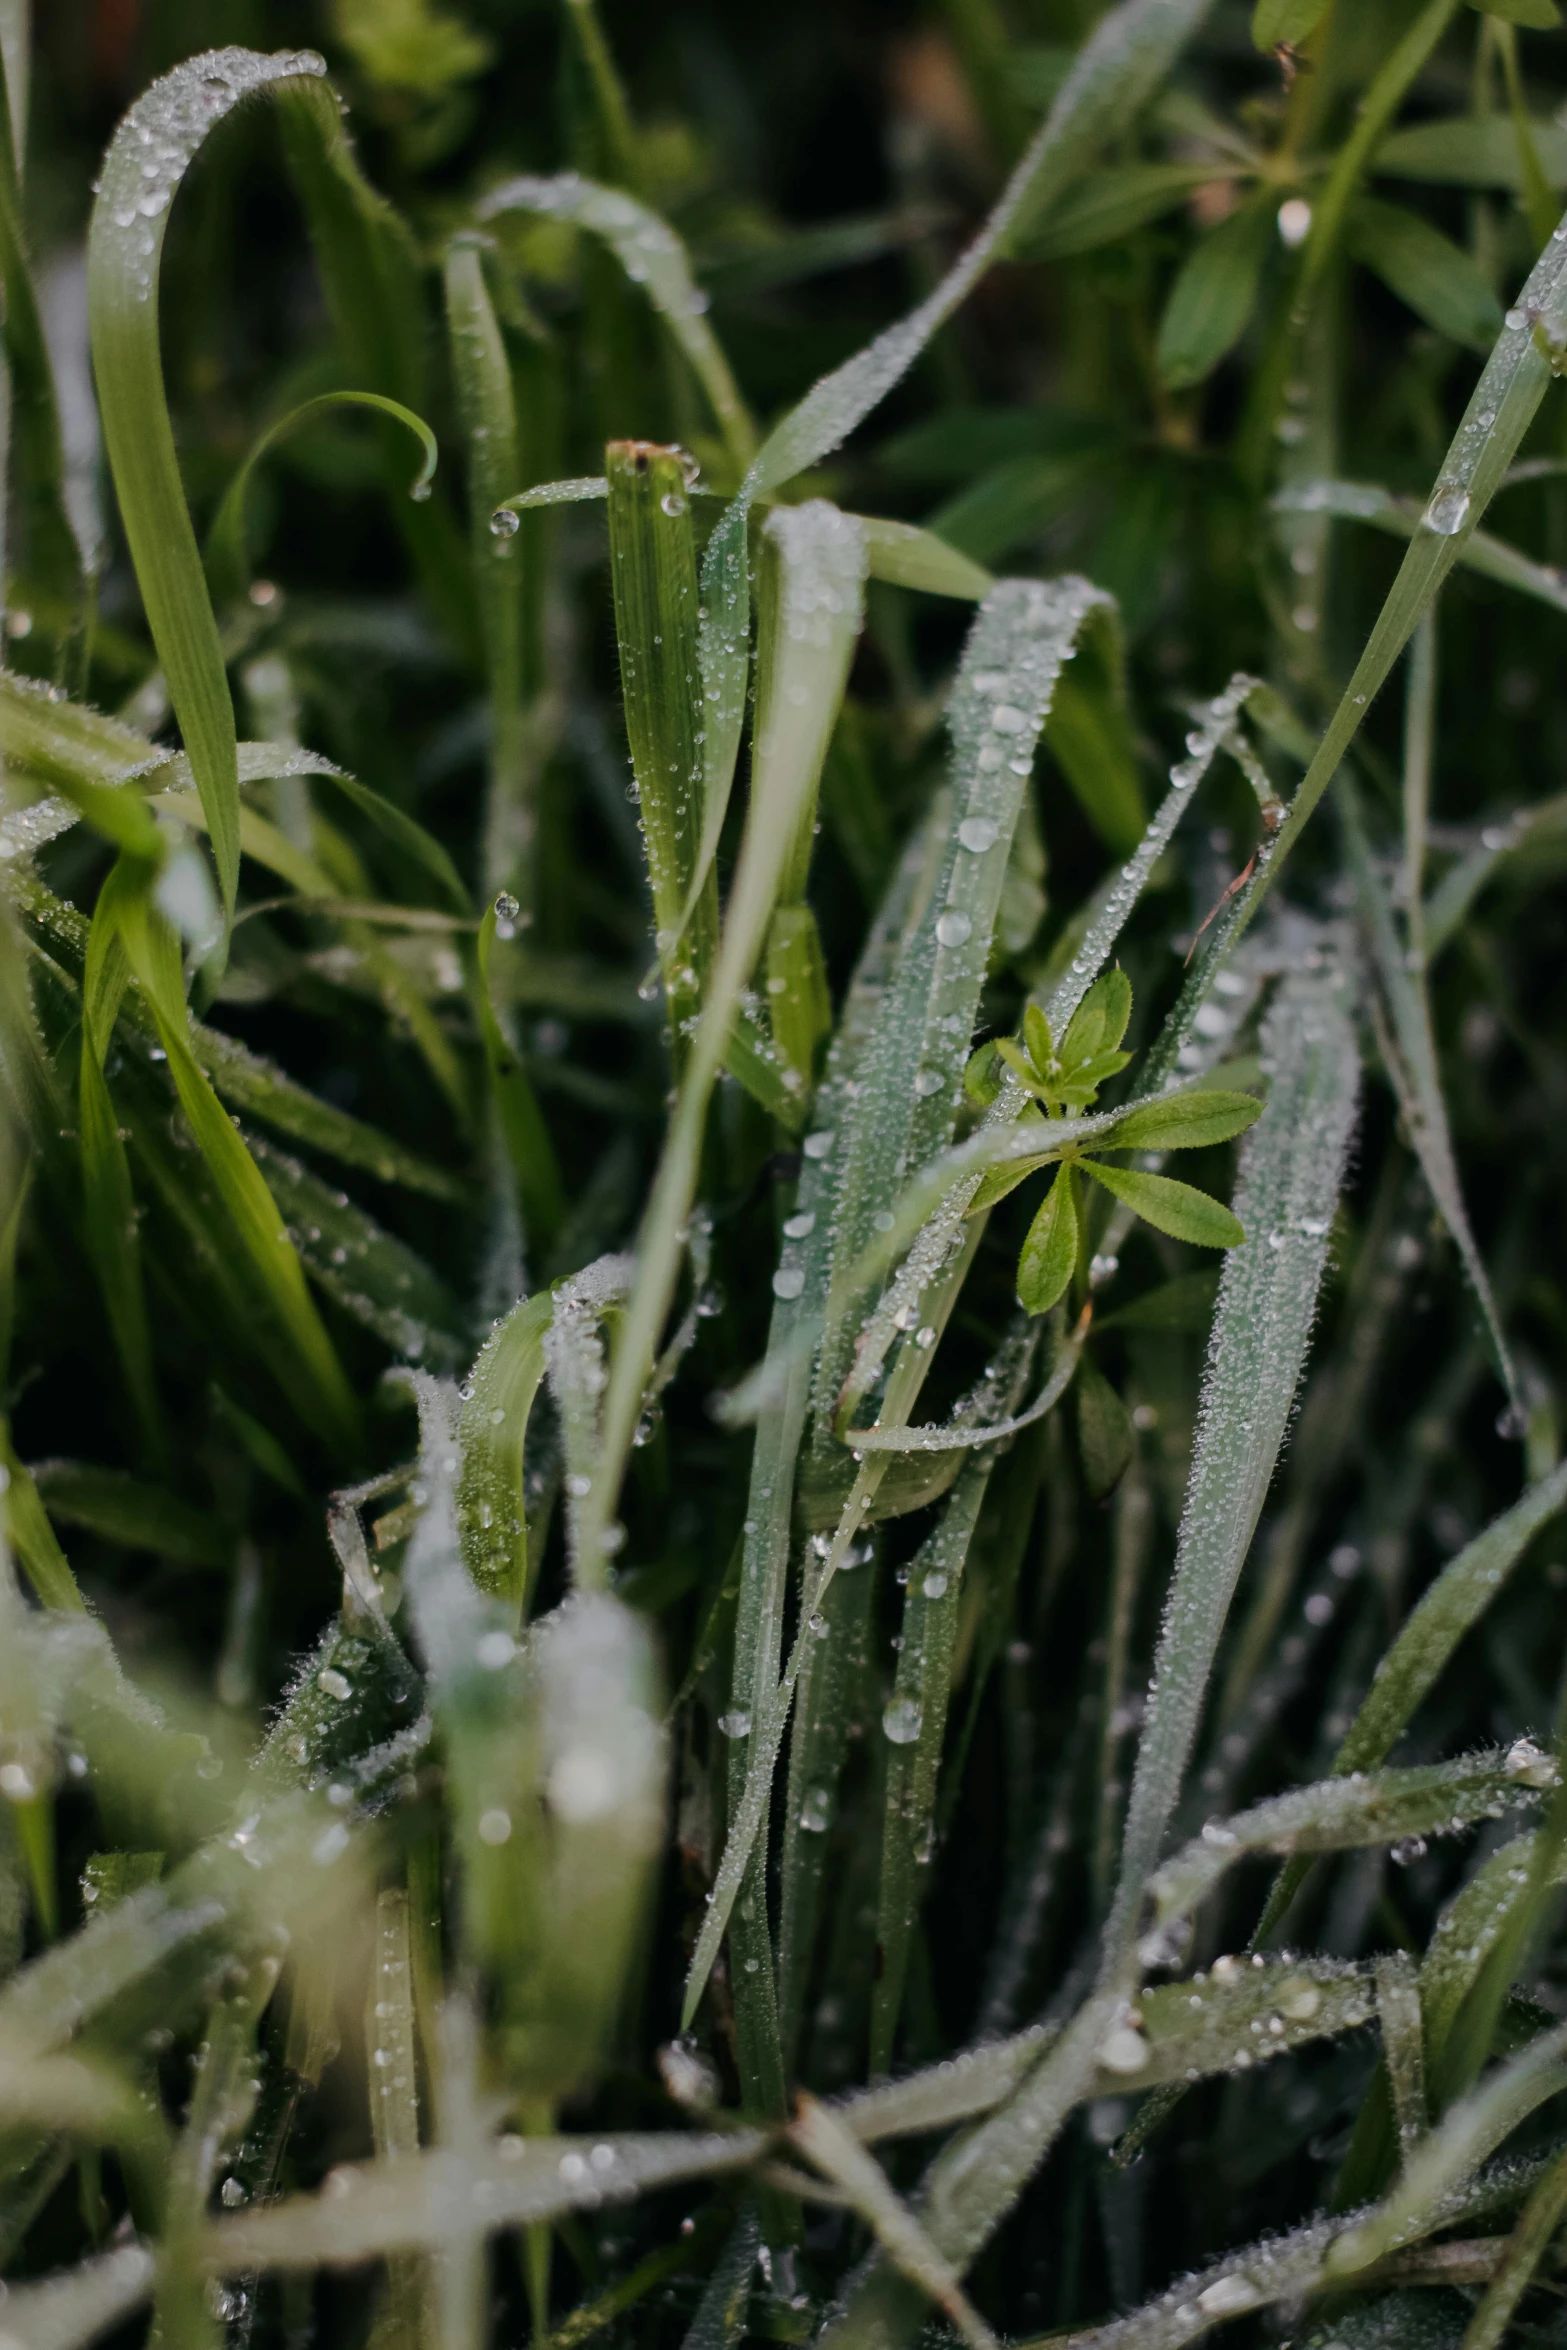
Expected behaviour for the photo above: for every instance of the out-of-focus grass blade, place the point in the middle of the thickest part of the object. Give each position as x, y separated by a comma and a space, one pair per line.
527, 1138
481, 372
1500, 411
1114, 203
108, 1207
160, 136
406, 2206
153, 954
1286, 1197
227, 564
1120, 64
492, 1494
223, 2095
255, 1086
1403, 518
371, 275
1411, 1060
651, 255
1533, 829
130, 1512
906, 556
46, 543
1451, 1606
654, 577
79, 2304
1526, 2249
840, 2157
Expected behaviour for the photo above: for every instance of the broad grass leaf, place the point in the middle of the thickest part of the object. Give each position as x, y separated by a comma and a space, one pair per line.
1185, 1121
1427, 270
1049, 1257
1176, 1208
1214, 295
130, 1512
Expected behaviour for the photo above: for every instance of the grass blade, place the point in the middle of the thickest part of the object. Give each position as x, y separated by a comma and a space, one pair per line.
492, 1493
1291, 1167
651, 255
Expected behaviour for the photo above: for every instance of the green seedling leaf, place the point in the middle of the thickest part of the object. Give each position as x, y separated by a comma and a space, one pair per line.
1186, 1121
1049, 1257
1022, 1066
1176, 1208
1473, 151
1215, 293
1038, 1042
1099, 1023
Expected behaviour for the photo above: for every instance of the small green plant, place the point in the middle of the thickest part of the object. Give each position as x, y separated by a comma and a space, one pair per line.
1068, 1077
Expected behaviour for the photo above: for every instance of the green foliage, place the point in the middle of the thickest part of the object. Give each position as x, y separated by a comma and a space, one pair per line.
633, 1702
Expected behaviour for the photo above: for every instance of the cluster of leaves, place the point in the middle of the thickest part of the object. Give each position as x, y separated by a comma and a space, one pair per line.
536, 1793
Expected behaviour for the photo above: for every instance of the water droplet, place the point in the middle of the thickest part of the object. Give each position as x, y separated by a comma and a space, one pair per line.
1294, 222
926, 1082
505, 522
16, 1782
672, 504
903, 1721
506, 912
494, 1650
1125, 2051
820, 1626
800, 1227
789, 1282
1447, 511
935, 1584
735, 1725
1407, 1850
1228, 2296
816, 1811
816, 1146
953, 928
494, 1826
978, 833
334, 1683
1515, 319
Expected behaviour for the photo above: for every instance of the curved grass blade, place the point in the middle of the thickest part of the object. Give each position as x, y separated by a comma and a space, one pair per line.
651, 255
1291, 1167
148, 157
1452, 1605
1526, 2249
574, 1362
130, 1512
1403, 518
227, 563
